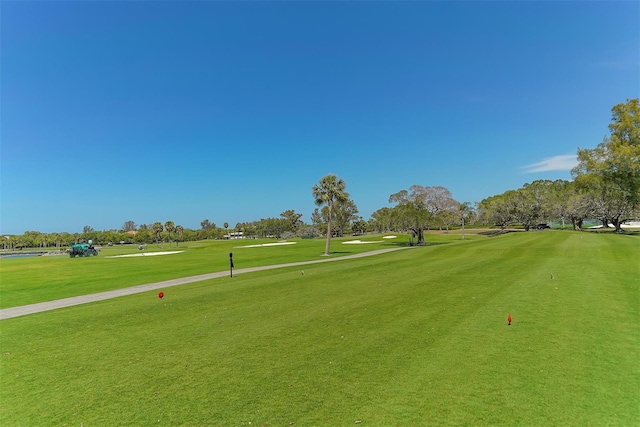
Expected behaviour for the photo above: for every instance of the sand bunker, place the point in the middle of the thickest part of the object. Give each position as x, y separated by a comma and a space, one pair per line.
359, 242
267, 244
145, 254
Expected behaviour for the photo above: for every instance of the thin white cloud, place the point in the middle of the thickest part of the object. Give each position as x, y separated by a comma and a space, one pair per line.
565, 162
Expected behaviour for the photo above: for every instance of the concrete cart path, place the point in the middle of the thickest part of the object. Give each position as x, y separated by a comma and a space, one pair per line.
24, 310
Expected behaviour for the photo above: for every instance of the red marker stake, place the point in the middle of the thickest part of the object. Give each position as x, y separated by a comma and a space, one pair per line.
509, 319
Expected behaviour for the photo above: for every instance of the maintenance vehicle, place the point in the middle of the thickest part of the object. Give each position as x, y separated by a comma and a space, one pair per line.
82, 249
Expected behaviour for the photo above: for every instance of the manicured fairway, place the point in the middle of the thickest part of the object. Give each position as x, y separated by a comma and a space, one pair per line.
32, 280
414, 337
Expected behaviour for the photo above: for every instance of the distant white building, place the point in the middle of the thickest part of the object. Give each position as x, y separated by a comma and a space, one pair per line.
234, 235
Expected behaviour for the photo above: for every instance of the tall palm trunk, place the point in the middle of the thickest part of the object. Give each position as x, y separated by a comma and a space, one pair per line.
326, 247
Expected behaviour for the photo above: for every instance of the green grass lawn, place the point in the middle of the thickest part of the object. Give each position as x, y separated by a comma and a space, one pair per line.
31, 280
413, 337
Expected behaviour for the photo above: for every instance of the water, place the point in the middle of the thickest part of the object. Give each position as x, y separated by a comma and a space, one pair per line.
18, 255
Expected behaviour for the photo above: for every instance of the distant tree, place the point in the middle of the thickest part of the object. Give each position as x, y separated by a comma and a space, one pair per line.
341, 216
382, 220
498, 209
328, 191
143, 236
226, 225
292, 218
612, 169
609, 207
66, 239
179, 233
189, 235
410, 213
169, 226
344, 213
419, 207
13, 242
248, 229
450, 213
9, 242
558, 200
156, 229
208, 230
286, 235
318, 221
525, 209
579, 206
109, 236
465, 212
307, 232
53, 239
32, 239
272, 227
533, 203
129, 226
89, 234
359, 226
438, 201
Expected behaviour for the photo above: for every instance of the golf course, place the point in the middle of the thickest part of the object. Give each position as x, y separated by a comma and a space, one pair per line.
416, 336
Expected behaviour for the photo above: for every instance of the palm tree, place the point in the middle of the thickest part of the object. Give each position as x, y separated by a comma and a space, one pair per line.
328, 191
169, 226
226, 225
179, 233
156, 229
464, 210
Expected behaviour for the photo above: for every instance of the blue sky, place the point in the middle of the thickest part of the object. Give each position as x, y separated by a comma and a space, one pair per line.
232, 111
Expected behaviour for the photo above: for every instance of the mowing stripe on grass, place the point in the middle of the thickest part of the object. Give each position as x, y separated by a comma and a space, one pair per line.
412, 338
24, 310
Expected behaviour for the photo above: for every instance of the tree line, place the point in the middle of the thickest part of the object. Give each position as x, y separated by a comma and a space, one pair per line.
605, 187
606, 183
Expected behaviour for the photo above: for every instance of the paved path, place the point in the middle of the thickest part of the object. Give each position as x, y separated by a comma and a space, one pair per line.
8, 313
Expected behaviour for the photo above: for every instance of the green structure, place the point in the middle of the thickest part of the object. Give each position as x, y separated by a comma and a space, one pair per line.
82, 249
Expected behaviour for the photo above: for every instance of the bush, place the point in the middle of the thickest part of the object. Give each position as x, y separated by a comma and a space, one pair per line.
308, 232
288, 235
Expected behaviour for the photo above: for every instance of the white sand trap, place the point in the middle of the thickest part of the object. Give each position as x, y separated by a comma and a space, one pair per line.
632, 224
267, 244
145, 254
359, 242
389, 237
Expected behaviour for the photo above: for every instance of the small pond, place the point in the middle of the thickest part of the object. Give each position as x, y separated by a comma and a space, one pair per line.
3, 256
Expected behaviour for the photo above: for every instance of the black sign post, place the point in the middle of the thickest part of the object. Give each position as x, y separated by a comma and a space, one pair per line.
230, 264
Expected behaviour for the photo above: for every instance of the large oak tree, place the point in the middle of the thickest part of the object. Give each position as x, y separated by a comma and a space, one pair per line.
420, 206
611, 171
